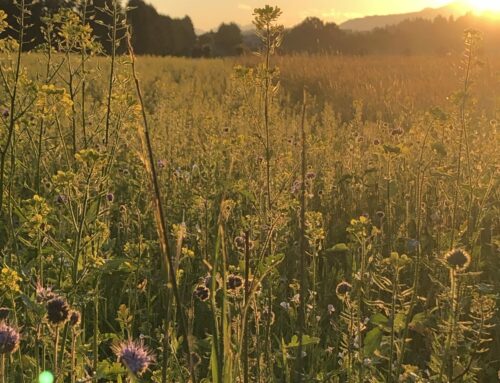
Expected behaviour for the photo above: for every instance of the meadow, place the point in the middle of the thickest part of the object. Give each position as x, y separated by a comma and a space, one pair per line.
259, 219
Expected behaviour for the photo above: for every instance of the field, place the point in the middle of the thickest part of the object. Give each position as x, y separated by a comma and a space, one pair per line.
297, 219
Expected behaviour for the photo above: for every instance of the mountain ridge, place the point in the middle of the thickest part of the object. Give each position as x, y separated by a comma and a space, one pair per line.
368, 23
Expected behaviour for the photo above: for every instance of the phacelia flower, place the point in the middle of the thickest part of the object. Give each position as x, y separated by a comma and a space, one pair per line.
57, 311
134, 356
457, 259
44, 294
9, 339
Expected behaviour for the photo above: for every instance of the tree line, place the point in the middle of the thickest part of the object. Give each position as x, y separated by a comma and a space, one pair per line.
157, 34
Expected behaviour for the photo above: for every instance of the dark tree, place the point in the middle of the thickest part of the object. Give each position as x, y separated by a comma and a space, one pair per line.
36, 10
228, 40
155, 34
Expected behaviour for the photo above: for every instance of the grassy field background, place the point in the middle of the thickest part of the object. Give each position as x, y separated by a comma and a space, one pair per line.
242, 229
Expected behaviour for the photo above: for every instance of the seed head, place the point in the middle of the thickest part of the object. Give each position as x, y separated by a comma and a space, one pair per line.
239, 242
397, 132
202, 292
134, 356
57, 311
310, 175
457, 259
343, 288
61, 199
74, 318
9, 339
234, 282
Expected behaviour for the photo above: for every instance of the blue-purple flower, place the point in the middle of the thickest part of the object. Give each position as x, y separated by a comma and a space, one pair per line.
9, 339
134, 356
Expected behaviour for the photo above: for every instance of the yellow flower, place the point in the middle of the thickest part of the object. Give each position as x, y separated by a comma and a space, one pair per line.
9, 280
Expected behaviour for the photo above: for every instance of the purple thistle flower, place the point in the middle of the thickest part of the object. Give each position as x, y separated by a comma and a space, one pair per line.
44, 294
9, 339
57, 311
134, 356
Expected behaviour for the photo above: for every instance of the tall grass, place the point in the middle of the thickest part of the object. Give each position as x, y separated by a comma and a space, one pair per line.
206, 221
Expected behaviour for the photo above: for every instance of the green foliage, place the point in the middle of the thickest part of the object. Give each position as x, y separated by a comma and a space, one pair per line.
385, 191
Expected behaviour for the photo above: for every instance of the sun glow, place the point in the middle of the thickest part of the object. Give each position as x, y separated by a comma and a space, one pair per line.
484, 5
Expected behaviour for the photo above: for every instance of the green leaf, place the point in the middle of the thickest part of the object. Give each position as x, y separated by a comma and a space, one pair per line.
270, 262
399, 321
338, 248
306, 341
372, 341
379, 319
107, 370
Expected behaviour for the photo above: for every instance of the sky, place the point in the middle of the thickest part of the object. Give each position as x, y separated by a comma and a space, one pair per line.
209, 14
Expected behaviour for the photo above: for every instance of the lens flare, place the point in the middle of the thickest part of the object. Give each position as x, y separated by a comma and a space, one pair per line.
46, 377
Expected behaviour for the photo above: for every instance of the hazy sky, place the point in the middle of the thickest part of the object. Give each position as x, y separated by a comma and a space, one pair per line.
208, 14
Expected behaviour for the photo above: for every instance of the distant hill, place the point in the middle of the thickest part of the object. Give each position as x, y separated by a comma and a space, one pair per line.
368, 23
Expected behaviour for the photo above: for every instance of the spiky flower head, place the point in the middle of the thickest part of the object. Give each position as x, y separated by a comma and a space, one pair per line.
457, 259
57, 311
240, 242
9, 339
44, 294
234, 282
343, 288
134, 356
202, 292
